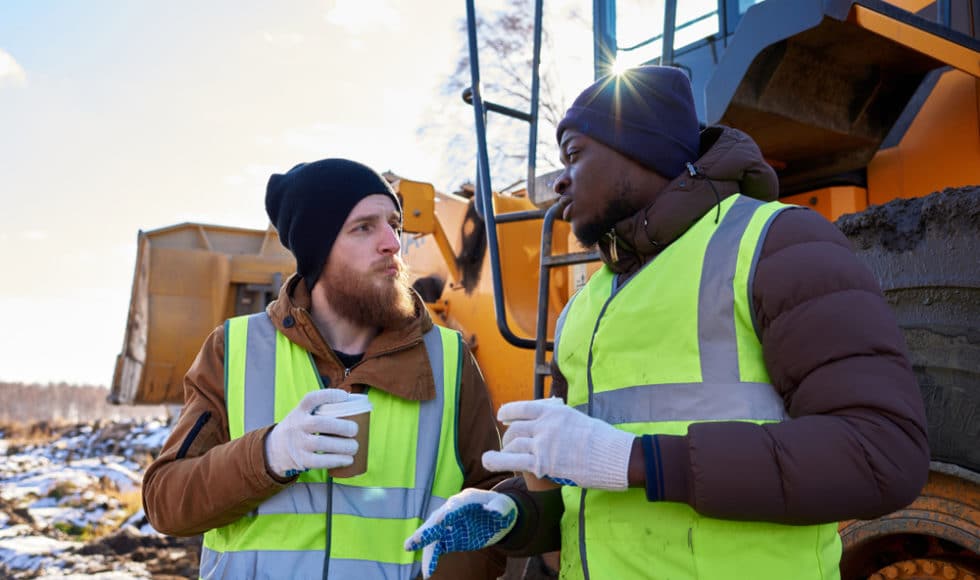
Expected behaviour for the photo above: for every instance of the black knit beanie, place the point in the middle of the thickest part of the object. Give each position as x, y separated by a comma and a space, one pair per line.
646, 113
310, 203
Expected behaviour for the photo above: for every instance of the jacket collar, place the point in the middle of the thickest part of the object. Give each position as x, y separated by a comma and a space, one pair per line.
731, 163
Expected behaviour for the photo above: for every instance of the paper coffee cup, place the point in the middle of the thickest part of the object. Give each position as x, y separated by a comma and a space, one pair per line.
357, 408
535, 483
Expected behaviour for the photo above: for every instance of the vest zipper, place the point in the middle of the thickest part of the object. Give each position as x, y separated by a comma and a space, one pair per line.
329, 516
588, 373
595, 330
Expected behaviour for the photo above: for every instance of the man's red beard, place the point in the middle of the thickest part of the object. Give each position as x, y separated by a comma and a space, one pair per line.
374, 299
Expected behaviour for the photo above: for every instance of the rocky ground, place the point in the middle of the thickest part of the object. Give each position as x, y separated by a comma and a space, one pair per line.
70, 504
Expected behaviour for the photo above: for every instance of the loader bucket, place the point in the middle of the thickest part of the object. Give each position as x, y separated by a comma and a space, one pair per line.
189, 278
821, 84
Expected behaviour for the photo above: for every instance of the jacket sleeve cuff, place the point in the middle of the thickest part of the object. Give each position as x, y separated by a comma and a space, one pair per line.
538, 517
667, 466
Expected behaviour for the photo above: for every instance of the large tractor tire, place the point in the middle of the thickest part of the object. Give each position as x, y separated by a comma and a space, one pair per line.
925, 253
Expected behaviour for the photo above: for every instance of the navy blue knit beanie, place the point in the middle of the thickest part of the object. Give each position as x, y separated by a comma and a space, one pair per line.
646, 113
310, 203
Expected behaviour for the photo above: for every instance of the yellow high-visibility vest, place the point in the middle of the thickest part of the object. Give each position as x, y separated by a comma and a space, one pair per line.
675, 345
361, 522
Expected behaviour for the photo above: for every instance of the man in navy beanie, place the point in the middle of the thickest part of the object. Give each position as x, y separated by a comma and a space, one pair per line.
647, 114
728, 385
278, 482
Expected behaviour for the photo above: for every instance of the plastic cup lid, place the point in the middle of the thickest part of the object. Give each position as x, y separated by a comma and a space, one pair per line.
355, 405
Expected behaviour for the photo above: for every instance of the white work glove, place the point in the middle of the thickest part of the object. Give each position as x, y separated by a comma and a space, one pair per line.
470, 520
304, 441
550, 439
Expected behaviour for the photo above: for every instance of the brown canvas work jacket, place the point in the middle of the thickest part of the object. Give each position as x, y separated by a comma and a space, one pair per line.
201, 480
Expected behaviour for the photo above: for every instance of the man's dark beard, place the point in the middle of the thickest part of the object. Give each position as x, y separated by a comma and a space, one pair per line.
355, 297
617, 209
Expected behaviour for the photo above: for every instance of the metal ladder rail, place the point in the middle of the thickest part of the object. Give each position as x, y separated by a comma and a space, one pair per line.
549, 261
484, 191
484, 199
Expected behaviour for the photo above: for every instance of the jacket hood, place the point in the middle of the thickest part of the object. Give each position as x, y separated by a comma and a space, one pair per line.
730, 163
391, 352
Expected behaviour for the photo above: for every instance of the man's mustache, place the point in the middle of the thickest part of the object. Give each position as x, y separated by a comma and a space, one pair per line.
385, 263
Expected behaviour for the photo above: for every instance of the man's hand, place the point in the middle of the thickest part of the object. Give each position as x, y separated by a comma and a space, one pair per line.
470, 520
550, 439
304, 441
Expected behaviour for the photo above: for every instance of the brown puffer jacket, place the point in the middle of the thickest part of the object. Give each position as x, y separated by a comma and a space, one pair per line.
201, 480
856, 444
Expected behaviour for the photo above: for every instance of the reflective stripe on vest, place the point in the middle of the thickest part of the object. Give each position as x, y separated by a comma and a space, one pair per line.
370, 514
675, 345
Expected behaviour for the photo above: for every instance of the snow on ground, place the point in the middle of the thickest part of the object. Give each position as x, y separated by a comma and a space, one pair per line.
69, 506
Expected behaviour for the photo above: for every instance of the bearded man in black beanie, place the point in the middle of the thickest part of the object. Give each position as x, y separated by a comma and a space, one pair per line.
261, 460
730, 383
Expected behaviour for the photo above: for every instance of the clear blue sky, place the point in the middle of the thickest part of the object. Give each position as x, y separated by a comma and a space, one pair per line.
121, 116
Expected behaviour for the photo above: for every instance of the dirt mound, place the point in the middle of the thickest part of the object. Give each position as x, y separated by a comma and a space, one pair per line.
163, 556
901, 225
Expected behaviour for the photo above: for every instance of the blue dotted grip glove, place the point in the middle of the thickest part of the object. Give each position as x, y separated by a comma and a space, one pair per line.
470, 520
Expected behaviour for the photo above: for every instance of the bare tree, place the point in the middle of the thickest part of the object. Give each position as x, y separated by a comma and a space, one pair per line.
506, 39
